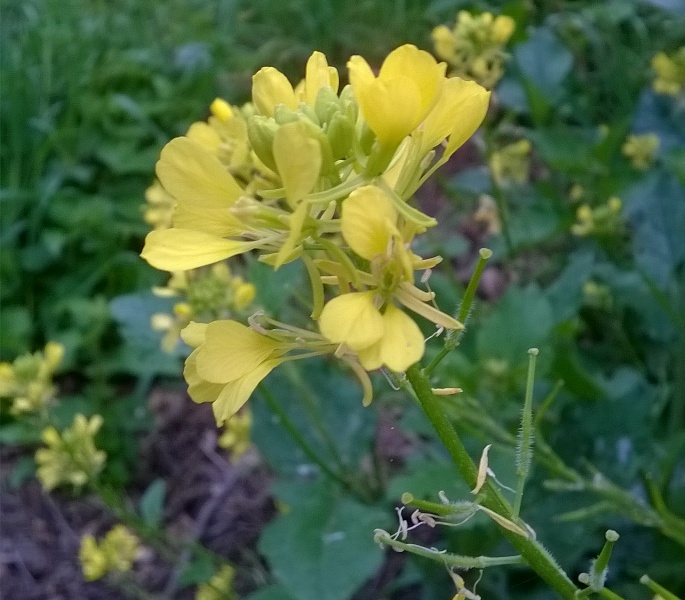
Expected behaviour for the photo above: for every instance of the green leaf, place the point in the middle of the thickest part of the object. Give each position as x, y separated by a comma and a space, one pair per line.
272, 592
323, 548
522, 320
564, 148
200, 569
544, 61
24, 468
656, 210
424, 477
19, 434
152, 503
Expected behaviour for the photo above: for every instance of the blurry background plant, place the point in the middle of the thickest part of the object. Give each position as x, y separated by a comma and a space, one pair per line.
78, 152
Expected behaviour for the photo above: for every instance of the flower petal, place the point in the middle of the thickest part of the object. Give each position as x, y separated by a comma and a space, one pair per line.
231, 350
470, 104
190, 172
199, 389
353, 319
236, 393
271, 88
367, 222
402, 344
184, 249
298, 160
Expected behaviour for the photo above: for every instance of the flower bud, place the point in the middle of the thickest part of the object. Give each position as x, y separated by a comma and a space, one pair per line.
261, 131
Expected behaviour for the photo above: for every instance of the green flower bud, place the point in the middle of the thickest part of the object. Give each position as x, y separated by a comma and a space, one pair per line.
340, 134
283, 115
327, 104
261, 131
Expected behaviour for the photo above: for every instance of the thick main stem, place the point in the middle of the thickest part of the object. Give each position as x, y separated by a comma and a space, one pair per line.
531, 551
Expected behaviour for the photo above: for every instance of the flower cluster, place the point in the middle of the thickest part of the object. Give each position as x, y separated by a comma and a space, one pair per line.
219, 587
670, 72
474, 48
70, 457
602, 220
28, 380
335, 171
641, 150
114, 553
236, 435
205, 294
511, 163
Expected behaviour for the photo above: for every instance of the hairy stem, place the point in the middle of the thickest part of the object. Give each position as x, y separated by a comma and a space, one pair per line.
532, 552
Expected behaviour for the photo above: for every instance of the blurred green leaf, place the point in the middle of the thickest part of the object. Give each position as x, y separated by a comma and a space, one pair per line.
523, 319
272, 592
322, 548
152, 503
199, 569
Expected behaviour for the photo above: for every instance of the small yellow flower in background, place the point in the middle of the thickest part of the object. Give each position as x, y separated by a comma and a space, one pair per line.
641, 150
28, 380
577, 192
603, 220
488, 214
670, 72
70, 457
236, 434
209, 293
115, 553
511, 164
159, 208
219, 587
474, 48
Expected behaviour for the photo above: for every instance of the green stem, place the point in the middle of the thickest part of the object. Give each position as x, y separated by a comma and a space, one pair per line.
524, 447
605, 593
658, 589
450, 560
452, 340
531, 551
309, 452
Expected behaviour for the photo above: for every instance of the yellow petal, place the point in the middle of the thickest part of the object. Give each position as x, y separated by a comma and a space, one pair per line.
236, 393
194, 334
231, 350
402, 344
199, 389
188, 171
451, 111
184, 249
317, 75
353, 319
366, 214
471, 107
298, 160
271, 88
217, 221
204, 135
420, 67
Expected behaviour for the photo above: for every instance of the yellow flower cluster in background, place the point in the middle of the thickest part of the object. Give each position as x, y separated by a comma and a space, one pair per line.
28, 380
114, 553
71, 456
641, 150
336, 170
474, 47
219, 587
511, 163
601, 220
236, 434
208, 294
670, 72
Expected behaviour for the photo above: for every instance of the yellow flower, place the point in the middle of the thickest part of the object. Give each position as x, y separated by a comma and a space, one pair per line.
395, 102
228, 363
641, 150
368, 322
221, 110
474, 48
116, 552
670, 72
28, 380
70, 457
270, 88
219, 587
236, 435
511, 163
